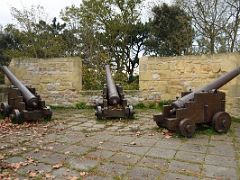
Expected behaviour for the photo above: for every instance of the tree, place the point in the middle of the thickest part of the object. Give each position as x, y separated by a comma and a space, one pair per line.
5, 40
70, 15
210, 18
34, 37
110, 31
232, 28
171, 31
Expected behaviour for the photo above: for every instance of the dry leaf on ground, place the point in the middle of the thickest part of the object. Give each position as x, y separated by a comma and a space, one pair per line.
57, 166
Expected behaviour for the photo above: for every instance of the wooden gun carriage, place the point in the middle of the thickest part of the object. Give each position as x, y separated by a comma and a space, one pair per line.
205, 105
114, 104
24, 104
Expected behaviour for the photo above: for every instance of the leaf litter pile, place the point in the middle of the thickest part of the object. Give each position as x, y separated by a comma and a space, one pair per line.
27, 130
35, 129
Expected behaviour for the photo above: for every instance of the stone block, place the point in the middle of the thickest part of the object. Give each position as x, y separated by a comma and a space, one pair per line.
216, 68
145, 76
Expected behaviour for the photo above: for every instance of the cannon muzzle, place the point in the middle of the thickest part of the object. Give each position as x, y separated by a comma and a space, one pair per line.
216, 84
113, 95
30, 99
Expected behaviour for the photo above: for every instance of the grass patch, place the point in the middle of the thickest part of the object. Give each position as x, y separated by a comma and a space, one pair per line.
140, 106
162, 103
47, 119
59, 107
205, 130
152, 105
81, 105
115, 119
119, 178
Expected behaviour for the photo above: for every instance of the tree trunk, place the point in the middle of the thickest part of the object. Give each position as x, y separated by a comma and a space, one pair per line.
212, 44
235, 31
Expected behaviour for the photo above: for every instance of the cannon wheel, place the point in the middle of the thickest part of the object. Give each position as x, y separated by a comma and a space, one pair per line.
187, 128
99, 112
5, 109
15, 117
221, 122
131, 112
48, 111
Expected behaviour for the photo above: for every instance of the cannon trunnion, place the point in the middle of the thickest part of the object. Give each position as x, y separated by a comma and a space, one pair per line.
204, 106
114, 104
24, 104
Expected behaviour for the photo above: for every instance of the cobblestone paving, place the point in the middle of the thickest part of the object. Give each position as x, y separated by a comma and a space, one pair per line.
75, 145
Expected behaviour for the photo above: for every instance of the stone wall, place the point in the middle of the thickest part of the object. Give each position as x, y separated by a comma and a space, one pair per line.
92, 97
166, 78
57, 80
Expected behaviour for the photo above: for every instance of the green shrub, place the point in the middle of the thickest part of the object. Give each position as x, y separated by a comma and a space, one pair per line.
122, 79
81, 105
152, 105
164, 102
140, 106
94, 79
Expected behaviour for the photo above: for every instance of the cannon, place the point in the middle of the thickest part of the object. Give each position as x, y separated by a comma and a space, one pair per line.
114, 104
205, 105
24, 104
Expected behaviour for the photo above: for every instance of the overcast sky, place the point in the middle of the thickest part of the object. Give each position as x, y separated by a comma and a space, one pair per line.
52, 7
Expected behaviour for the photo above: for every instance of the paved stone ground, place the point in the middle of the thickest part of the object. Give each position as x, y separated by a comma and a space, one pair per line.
74, 145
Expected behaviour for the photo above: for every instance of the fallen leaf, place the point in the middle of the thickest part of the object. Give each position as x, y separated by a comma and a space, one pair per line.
167, 136
41, 171
73, 178
83, 173
50, 148
138, 133
36, 150
47, 175
30, 160
67, 152
4, 165
1, 156
57, 166
133, 143
16, 166
164, 131
32, 174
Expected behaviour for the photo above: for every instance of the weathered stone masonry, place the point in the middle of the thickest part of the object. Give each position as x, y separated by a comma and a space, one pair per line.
57, 80
166, 78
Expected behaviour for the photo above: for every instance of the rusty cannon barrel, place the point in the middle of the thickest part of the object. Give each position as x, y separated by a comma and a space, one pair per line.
30, 99
216, 84
113, 95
